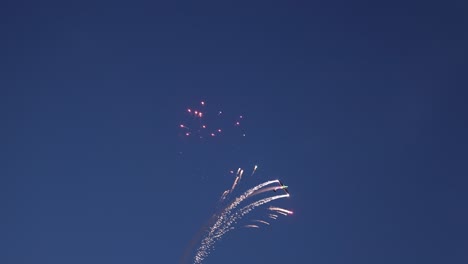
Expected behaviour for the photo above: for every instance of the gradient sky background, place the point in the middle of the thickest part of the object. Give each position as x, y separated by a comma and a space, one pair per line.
358, 107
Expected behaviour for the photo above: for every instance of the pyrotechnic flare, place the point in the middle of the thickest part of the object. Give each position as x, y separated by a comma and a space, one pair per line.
251, 226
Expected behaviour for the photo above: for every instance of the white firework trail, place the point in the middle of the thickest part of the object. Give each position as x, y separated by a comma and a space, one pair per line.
273, 216
248, 208
240, 174
223, 223
223, 196
238, 178
252, 226
240, 213
262, 221
226, 227
255, 168
282, 213
273, 188
234, 184
280, 210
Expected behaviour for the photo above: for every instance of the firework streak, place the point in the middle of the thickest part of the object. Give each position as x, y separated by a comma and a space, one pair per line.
229, 216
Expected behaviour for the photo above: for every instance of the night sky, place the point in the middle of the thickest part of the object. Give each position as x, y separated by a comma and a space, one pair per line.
359, 107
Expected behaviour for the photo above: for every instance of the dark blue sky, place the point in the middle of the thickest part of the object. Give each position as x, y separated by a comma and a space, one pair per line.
359, 107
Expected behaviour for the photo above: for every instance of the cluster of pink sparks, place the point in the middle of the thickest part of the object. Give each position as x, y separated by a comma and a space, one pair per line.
199, 124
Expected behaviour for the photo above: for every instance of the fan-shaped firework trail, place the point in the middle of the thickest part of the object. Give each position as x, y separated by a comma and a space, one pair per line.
225, 220
241, 213
247, 209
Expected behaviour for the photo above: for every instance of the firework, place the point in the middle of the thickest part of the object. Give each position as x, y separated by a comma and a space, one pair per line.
202, 122
227, 217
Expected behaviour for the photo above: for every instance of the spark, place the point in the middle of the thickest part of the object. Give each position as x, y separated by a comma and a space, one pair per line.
255, 168
251, 226
197, 128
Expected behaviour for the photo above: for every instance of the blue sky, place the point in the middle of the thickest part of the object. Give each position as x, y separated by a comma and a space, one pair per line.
357, 106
